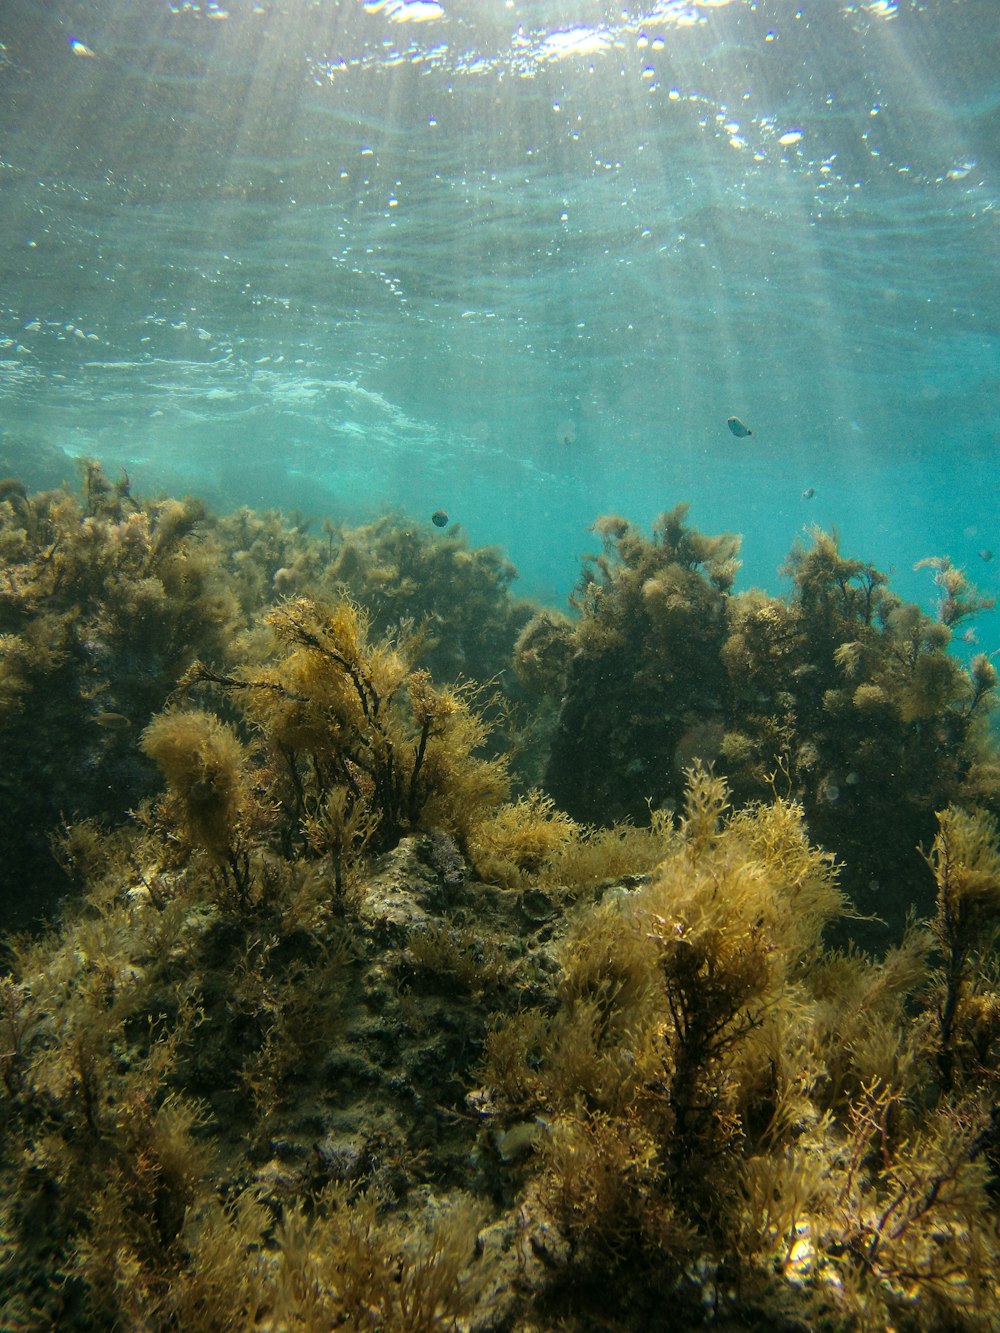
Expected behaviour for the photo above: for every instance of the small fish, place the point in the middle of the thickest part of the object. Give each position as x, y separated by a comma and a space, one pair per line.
809, 492
439, 518
81, 48
986, 554
516, 1143
113, 721
738, 427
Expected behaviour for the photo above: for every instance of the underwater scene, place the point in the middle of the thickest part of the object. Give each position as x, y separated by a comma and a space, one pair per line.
499, 730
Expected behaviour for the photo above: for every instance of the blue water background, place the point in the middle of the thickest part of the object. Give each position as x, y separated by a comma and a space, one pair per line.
517, 260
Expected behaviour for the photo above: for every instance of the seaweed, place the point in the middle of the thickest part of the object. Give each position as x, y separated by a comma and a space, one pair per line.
965, 861
732, 1114
355, 746
687, 1095
103, 602
456, 597
343, 1027
105, 599
645, 664
840, 694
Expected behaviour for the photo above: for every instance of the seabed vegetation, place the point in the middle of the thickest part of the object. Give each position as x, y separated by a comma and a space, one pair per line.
386, 952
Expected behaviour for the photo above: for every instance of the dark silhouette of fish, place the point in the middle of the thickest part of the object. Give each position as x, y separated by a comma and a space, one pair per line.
439, 518
739, 428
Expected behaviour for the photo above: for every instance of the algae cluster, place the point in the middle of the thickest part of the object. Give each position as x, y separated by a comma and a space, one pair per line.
839, 694
347, 1024
105, 600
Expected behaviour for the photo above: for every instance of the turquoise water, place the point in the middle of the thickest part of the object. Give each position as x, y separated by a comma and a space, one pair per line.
517, 260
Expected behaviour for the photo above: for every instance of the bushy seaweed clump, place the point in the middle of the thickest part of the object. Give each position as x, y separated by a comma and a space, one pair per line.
451, 601
103, 601
180, 1059
875, 722
226, 1106
456, 597
638, 670
352, 746
132, 1194
840, 694
235, 1081
729, 1116
209, 977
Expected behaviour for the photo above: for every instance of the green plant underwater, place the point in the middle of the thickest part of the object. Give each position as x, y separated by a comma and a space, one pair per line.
350, 1025
845, 695
354, 746
721, 1096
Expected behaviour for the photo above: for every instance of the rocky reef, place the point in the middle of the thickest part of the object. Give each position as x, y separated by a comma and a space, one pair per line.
345, 1021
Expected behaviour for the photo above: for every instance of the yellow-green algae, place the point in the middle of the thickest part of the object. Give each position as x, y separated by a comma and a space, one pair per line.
846, 696
348, 1026
105, 599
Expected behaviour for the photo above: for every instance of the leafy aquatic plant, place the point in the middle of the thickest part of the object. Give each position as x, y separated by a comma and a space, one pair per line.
105, 599
357, 746
840, 694
235, 1078
644, 666
455, 597
103, 602
724, 1103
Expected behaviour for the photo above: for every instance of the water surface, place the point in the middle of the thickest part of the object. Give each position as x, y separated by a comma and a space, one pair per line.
517, 260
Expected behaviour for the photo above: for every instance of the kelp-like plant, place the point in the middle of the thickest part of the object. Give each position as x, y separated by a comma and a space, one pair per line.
721, 1103
404, 573
117, 1210
356, 746
965, 861
209, 802
689, 1099
846, 696
104, 600
456, 595
673, 1001
876, 722
642, 668
210, 970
